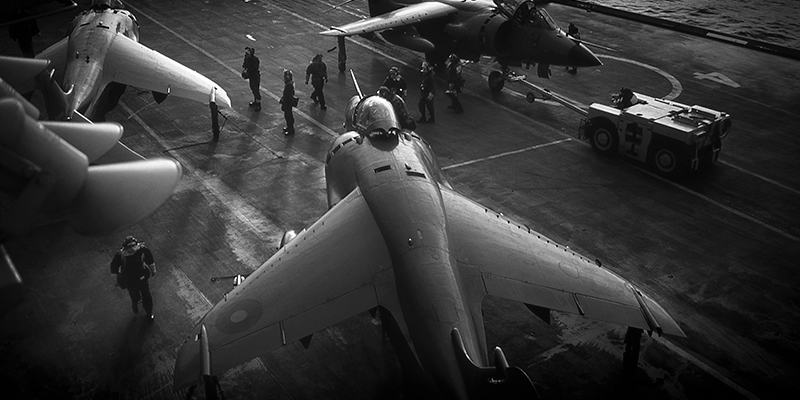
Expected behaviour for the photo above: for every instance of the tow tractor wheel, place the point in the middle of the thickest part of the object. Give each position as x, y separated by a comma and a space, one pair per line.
604, 138
530, 97
667, 160
496, 81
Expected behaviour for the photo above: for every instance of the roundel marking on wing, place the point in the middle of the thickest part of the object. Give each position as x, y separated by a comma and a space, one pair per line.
240, 316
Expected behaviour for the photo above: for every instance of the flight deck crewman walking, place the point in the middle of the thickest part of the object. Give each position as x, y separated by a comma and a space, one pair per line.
288, 101
454, 82
250, 71
426, 89
318, 72
134, 265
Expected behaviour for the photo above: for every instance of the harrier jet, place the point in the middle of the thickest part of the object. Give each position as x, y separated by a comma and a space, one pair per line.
472, 29
397, 237
102, 55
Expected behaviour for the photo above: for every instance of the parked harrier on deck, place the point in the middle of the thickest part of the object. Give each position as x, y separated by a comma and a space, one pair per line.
397, 237
102, 55
472, 29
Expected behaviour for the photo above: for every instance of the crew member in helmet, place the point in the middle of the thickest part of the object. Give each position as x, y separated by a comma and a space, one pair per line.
288, 102
625, 98
250, 71
455, 82
318, 72
426, 89
395, 82
399, 105
134, 265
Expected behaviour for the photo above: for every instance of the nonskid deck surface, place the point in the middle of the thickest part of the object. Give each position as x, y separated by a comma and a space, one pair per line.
718, 250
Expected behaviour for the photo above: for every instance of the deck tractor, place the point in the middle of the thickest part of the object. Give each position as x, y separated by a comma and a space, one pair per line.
671, 137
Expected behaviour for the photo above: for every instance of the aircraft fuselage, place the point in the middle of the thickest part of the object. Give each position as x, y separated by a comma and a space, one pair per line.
92, 33
478, 29
399, 179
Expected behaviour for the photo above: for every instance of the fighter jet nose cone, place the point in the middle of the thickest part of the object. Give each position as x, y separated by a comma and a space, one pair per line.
580, 56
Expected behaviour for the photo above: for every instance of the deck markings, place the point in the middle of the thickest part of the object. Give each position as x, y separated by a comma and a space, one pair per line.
763, 178
183, 279
722, 206
677, 88
717, 77
508, 153
231, 69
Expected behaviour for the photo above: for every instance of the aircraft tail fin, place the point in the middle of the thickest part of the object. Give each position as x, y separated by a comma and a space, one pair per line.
498, 382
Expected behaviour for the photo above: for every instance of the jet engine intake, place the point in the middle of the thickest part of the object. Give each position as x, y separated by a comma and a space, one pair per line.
408, 39
489, 33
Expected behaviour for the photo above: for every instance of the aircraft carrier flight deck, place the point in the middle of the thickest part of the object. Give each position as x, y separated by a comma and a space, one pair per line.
719, 249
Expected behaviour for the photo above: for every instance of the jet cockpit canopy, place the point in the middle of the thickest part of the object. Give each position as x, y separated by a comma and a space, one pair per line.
528, 14
375, 115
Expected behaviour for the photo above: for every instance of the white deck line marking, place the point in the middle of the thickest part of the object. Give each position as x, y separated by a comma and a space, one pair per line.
723, 206
231, 69
348, 38
508, 153
763, 178
326, 129
677, 88
705, 367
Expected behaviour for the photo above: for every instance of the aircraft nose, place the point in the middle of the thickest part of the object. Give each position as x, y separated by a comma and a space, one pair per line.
580, 56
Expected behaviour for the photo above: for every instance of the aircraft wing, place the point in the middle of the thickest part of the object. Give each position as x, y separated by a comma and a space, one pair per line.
405, 16
518, 264
335, 269
134, 64
57, 54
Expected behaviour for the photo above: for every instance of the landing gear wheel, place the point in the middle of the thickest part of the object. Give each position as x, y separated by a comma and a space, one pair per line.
604, 138
496, 81
530, 97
